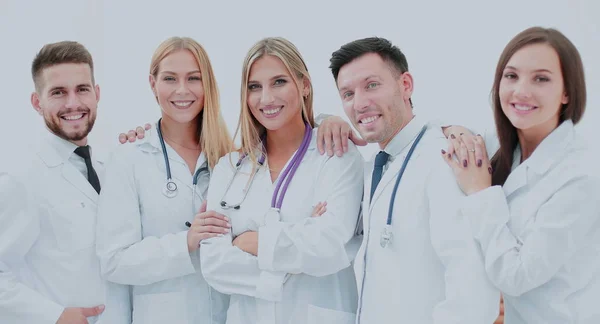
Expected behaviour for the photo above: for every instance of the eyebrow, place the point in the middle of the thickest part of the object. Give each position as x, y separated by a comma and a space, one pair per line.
171, 72
538, 70
83, 85
279, 76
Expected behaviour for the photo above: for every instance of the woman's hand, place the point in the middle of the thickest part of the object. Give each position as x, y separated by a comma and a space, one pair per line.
206, 224
472, 167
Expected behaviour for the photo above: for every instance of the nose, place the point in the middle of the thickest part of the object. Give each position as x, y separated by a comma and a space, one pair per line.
522, 90
361, 101
267, 96
182, 88
73, 101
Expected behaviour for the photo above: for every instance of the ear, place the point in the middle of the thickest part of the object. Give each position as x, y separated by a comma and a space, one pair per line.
35, 102
305, 87
406, 83
152, 82
97, 88
565, 98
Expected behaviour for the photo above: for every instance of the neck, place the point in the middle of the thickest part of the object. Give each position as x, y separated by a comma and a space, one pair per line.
399, 128
81, 142
182, 134
287, 139
530, 139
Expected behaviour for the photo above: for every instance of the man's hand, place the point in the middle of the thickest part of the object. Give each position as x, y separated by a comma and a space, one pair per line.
247, 242
79, 315
334, 132
133, 135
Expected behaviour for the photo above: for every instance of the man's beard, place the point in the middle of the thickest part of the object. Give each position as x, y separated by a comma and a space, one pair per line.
53, 124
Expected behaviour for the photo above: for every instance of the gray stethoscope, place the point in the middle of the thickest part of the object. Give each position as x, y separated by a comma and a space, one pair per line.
386, 234
238, 165
170, 189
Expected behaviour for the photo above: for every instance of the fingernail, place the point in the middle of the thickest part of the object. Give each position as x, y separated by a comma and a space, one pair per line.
465, 163
443, 151
227, 219
101, 307
228, 225
220, 235
452, 136
461, 134
479, 135
449, 156
225, 230
479, 163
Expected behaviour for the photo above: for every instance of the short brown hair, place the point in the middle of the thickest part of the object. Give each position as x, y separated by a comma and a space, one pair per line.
60, 53
574, 85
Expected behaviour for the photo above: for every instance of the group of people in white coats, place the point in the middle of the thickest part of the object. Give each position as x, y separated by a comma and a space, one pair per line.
294, 227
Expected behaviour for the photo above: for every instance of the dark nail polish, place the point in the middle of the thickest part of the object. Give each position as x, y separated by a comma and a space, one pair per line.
465, 163
449, 156
490, 170
461, 134
479, 163
452, 136
443, 152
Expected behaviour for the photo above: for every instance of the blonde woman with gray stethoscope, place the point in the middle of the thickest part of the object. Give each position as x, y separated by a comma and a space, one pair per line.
279, 264
150, 219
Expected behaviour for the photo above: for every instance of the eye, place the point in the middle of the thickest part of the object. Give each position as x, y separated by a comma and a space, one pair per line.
541, 79
347, 94
84, 89
253, 86
169, 78
57, 92
195, 78
510, 75
280, 82
372, 85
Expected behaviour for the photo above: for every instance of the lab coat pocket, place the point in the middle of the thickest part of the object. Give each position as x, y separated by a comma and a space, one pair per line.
73, 226
318, 315
160, 308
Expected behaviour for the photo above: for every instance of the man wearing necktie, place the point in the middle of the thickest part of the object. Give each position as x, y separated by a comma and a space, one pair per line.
418, 262
49, 271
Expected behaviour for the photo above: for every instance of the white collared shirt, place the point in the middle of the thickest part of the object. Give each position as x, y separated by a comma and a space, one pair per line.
142, 236
540, 233
302, 273
432, 272
47, 254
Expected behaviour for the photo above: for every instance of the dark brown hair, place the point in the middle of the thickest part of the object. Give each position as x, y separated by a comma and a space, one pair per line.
574, 87
60, 53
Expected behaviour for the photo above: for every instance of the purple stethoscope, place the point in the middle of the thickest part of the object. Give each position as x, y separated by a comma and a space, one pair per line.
286, 176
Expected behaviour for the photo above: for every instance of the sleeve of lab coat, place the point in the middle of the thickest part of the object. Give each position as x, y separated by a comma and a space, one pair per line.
125, 257
470, 298
20, 228
317, 245
227, 268
562, 226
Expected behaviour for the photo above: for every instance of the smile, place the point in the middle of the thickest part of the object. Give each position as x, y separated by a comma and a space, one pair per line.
73, 117
368, 120
271, 111
182, 104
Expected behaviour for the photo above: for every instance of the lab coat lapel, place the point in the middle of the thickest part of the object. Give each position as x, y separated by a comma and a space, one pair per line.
516, 180
76, 178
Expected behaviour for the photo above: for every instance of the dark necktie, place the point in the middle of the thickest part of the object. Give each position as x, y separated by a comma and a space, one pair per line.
380, 160
84, 152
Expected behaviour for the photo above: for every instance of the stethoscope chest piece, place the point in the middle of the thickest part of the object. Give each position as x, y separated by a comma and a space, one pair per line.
386, 236
170, 189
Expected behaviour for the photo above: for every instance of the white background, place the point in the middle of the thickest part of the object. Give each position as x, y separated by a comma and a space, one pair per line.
452, 49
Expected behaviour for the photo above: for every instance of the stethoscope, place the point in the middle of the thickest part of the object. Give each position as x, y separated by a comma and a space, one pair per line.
170, 190
386, 234
286, 175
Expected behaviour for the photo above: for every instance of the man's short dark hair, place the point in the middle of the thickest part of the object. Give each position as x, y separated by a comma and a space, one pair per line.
389, 53
59, 53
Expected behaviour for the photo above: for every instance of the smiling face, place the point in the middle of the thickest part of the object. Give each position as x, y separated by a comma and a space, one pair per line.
273, 97
178, 87
375, 97
68, 100
532, 90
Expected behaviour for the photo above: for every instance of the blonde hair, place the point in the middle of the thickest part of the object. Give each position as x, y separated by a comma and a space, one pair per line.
215, 139
249, 128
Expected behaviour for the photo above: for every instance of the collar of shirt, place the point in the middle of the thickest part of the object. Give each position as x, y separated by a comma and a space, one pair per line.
64, 149
151, 143
406, 136
549, 150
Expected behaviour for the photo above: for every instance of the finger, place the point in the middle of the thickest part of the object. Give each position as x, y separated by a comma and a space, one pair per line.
210, 229
122, 138
478, 152
481, 143
131, 136
215, 222
455, 144
328, 134
92, 311
147, 126
140, 132
336, 134
345, 135
322, 210
470, 145
320, 139
454, 164
357, 140
212, 213
203, 207
464, 155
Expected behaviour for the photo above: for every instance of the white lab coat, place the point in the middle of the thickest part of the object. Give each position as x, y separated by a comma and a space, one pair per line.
433, 271
142, 237
47, 256
303, 271
540, 232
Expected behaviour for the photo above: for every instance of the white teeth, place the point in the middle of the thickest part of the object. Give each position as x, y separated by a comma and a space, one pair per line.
271, 111
368, 120
523, 108
182, 104
74, 117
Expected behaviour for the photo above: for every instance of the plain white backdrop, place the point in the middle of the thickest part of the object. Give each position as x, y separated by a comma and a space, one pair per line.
452, 48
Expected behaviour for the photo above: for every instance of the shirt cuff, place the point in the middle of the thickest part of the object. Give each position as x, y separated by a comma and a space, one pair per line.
270, 285
267, 240
50, 311
183, 257
485, 207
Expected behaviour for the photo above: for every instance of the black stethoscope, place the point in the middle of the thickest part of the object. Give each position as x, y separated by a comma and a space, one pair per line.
386, 234
170, 189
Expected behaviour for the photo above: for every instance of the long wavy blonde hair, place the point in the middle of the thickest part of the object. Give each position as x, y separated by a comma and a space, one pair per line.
214, 137
249, 128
